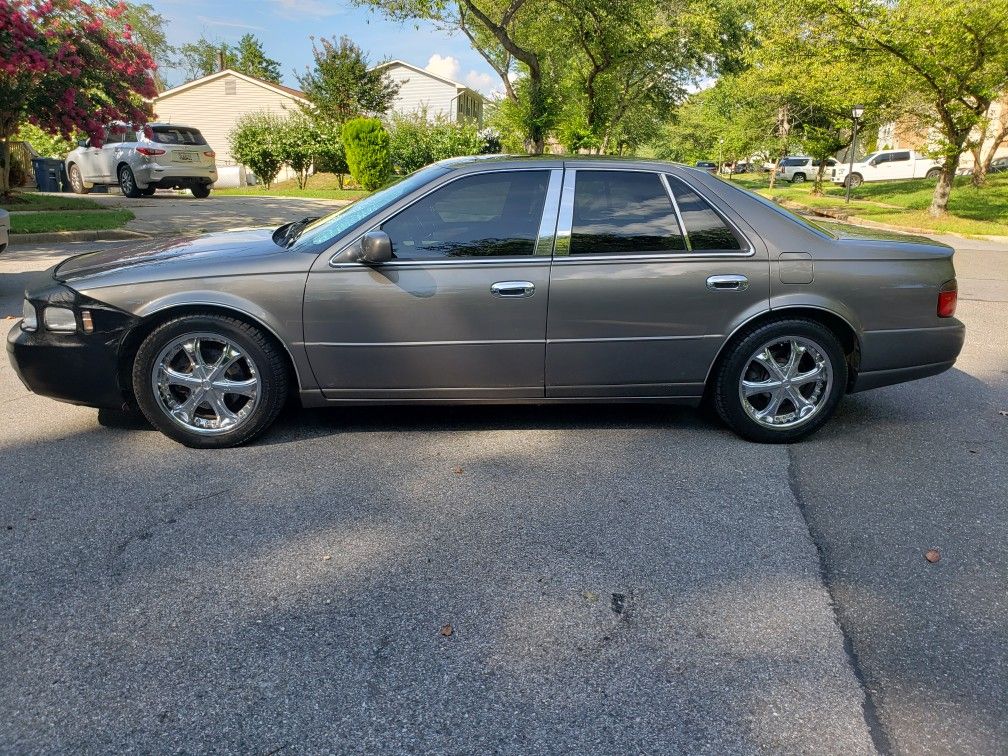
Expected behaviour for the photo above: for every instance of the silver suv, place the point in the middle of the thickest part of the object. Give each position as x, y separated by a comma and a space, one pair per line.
800, 168
159, 156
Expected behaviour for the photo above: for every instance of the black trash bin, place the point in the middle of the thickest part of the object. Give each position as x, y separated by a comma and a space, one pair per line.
47, 174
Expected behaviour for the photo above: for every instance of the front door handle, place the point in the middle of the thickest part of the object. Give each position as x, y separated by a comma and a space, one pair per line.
729, 282
512, 289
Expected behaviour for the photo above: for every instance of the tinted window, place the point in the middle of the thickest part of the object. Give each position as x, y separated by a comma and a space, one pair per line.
883, 158
176, 135
487, 215
623, 211
899, 157
794, 162
704, 226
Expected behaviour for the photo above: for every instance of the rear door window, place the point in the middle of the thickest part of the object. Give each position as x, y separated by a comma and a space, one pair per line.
706, 229
899, 157
623, 212
176, 135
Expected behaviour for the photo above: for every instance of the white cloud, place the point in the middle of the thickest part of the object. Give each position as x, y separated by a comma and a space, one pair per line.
443, 65
228, 24
482, 82
309, 8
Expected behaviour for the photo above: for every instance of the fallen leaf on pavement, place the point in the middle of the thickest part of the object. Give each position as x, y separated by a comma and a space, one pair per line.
1003, 413
327, 557
932, 555
457, 471
447, 630
590, 596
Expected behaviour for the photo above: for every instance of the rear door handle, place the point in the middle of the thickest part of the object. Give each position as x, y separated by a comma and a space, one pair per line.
728, 282
512, 289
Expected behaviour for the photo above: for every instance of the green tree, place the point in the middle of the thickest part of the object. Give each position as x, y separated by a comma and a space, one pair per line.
951, 55
142, 23
203, 57
342, 84
255, 142
297, 144
367, 152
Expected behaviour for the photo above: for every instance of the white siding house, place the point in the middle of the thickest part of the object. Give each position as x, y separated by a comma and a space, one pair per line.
421, 91
214, 103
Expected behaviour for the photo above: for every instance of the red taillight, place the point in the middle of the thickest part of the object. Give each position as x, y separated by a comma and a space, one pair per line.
149, 151
209, 153
947, 296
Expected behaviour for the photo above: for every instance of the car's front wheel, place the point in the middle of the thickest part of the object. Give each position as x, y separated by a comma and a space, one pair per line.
201, 191
209, 380
933, 173
781, 381
77, 181
854, 180
127, 182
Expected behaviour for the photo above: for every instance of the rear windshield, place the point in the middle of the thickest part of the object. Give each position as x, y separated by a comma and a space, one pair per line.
176, 135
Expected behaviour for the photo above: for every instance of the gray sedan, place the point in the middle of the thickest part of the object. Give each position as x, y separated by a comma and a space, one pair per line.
498, 280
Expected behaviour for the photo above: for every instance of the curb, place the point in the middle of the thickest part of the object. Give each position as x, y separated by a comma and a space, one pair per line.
822, 212
111, 234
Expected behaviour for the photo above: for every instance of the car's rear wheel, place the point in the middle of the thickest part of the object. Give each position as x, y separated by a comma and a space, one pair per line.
201, 191
781, 381
209, 380
854, 180
798, 178
77, 181
933, 173
127, 182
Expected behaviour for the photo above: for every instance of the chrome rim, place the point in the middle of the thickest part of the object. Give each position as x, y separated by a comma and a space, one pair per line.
126, 180
206, 383
75, 179
786, 382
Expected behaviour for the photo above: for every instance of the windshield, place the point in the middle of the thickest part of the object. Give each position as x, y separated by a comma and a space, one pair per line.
868, 157
328, 228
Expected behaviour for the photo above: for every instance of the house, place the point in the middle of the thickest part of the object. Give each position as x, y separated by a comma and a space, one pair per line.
422, 91
214, 103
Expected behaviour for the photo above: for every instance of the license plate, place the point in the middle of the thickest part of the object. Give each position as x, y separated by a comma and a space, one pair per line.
185, 157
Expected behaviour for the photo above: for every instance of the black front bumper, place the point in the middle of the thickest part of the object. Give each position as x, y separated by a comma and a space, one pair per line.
71, 367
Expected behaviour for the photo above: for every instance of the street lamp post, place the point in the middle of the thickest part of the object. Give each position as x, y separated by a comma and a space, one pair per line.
856, 112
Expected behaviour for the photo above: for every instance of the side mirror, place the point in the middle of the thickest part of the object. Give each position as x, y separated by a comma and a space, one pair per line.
376, 248
83, 142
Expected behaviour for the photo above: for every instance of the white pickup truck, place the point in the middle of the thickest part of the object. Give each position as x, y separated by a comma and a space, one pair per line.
886, 165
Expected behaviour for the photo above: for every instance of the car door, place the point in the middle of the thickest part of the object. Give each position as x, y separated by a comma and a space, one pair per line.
900, 165
89, 161
107, 155
460, 310
638, 307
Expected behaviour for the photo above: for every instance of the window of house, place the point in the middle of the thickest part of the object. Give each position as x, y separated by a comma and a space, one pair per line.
493, 214
230, 87
706, 229
627, 212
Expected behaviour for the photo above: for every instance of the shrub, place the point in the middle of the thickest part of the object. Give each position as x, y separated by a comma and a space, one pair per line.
17, 176
297, 144
255, 141
367, 152
44, 143
415, 141
330, 155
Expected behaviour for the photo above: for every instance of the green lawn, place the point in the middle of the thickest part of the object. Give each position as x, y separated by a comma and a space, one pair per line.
33, 201
972, 211
319, 186
68, 220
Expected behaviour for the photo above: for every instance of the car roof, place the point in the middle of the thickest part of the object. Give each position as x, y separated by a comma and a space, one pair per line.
556, 161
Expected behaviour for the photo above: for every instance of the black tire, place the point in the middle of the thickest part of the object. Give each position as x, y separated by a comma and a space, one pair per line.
200, 191
149, 191
855, 180
933, 173
127, 183
798, 178
727, 382
268, 359
77, 181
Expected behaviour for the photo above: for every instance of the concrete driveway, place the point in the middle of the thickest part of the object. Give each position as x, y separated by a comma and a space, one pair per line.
166, 213
521, 580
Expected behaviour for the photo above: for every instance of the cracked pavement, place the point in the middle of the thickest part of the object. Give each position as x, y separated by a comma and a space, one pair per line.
623, 578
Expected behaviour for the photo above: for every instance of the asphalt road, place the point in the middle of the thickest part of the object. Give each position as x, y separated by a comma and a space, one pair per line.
616, 579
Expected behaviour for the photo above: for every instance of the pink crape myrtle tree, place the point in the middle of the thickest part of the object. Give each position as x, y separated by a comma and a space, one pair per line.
69, 66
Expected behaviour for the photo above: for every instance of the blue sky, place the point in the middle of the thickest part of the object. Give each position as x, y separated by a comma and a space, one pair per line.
284, 26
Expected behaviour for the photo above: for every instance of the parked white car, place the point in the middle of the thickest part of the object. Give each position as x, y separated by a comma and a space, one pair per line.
159, 156
887, 165
798, 168
4, 229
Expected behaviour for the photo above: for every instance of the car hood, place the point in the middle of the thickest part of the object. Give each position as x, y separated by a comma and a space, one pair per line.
167, 255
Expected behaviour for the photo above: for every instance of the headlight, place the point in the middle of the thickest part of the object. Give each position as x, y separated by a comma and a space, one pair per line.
29, 320
59, 319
